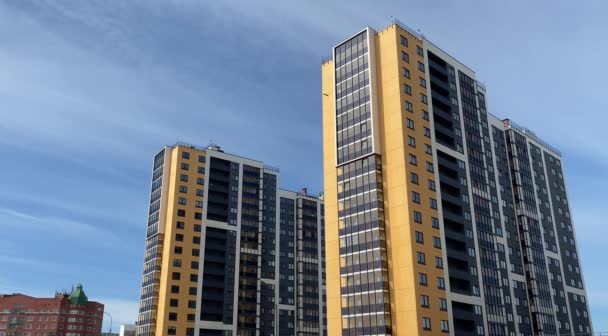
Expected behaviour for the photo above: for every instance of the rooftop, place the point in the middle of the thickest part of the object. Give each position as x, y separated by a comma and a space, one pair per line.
216, 147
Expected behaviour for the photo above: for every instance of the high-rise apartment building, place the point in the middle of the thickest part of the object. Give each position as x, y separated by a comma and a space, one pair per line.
228, 252
440, 217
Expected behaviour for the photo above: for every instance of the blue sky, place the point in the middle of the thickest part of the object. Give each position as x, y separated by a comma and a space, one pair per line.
90, 90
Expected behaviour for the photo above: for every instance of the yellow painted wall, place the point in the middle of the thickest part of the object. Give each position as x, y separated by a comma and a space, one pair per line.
332, 241
406, 311
187, 245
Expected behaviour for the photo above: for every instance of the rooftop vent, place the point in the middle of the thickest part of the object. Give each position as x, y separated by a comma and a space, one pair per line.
214, 147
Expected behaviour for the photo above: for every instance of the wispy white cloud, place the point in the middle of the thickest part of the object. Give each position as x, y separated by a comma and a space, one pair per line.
12, 219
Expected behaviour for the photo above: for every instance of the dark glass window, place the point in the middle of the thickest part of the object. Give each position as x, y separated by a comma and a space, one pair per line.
419, 237
422, 280
421, 258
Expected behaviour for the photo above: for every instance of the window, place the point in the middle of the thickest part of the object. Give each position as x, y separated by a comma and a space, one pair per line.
192, 290
477, 309
415, 197
433, 203
185, 166
407, 89
198, 215
201, 158
173, 303
443, 304
404, 40
436, 242
200, 181
429, 167
198, 204
177, 262
426, 323
419, 51
427, 132
414, 178
200, 192
435, 223
179, 237
183, 189
424, 301
444, 326
421, 66
408, 106
185, 155
180, 225
176, 276
421, 258
201, 170
410, 123
423, 98
406, 72
178, 250
196, 252
405, 56
193, 277
422, 279
181, 213
183, 177
191, 304
422, 82
438, 262
197, 228
417, 217
419, 237
181, 201
196, 240
425, 115
428, 149
172, 331
431, 185
411, 141
441, 283
194, 265
172, 316
412, 159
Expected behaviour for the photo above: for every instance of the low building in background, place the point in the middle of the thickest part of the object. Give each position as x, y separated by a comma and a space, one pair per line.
128, 330
65, 314
228, 252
